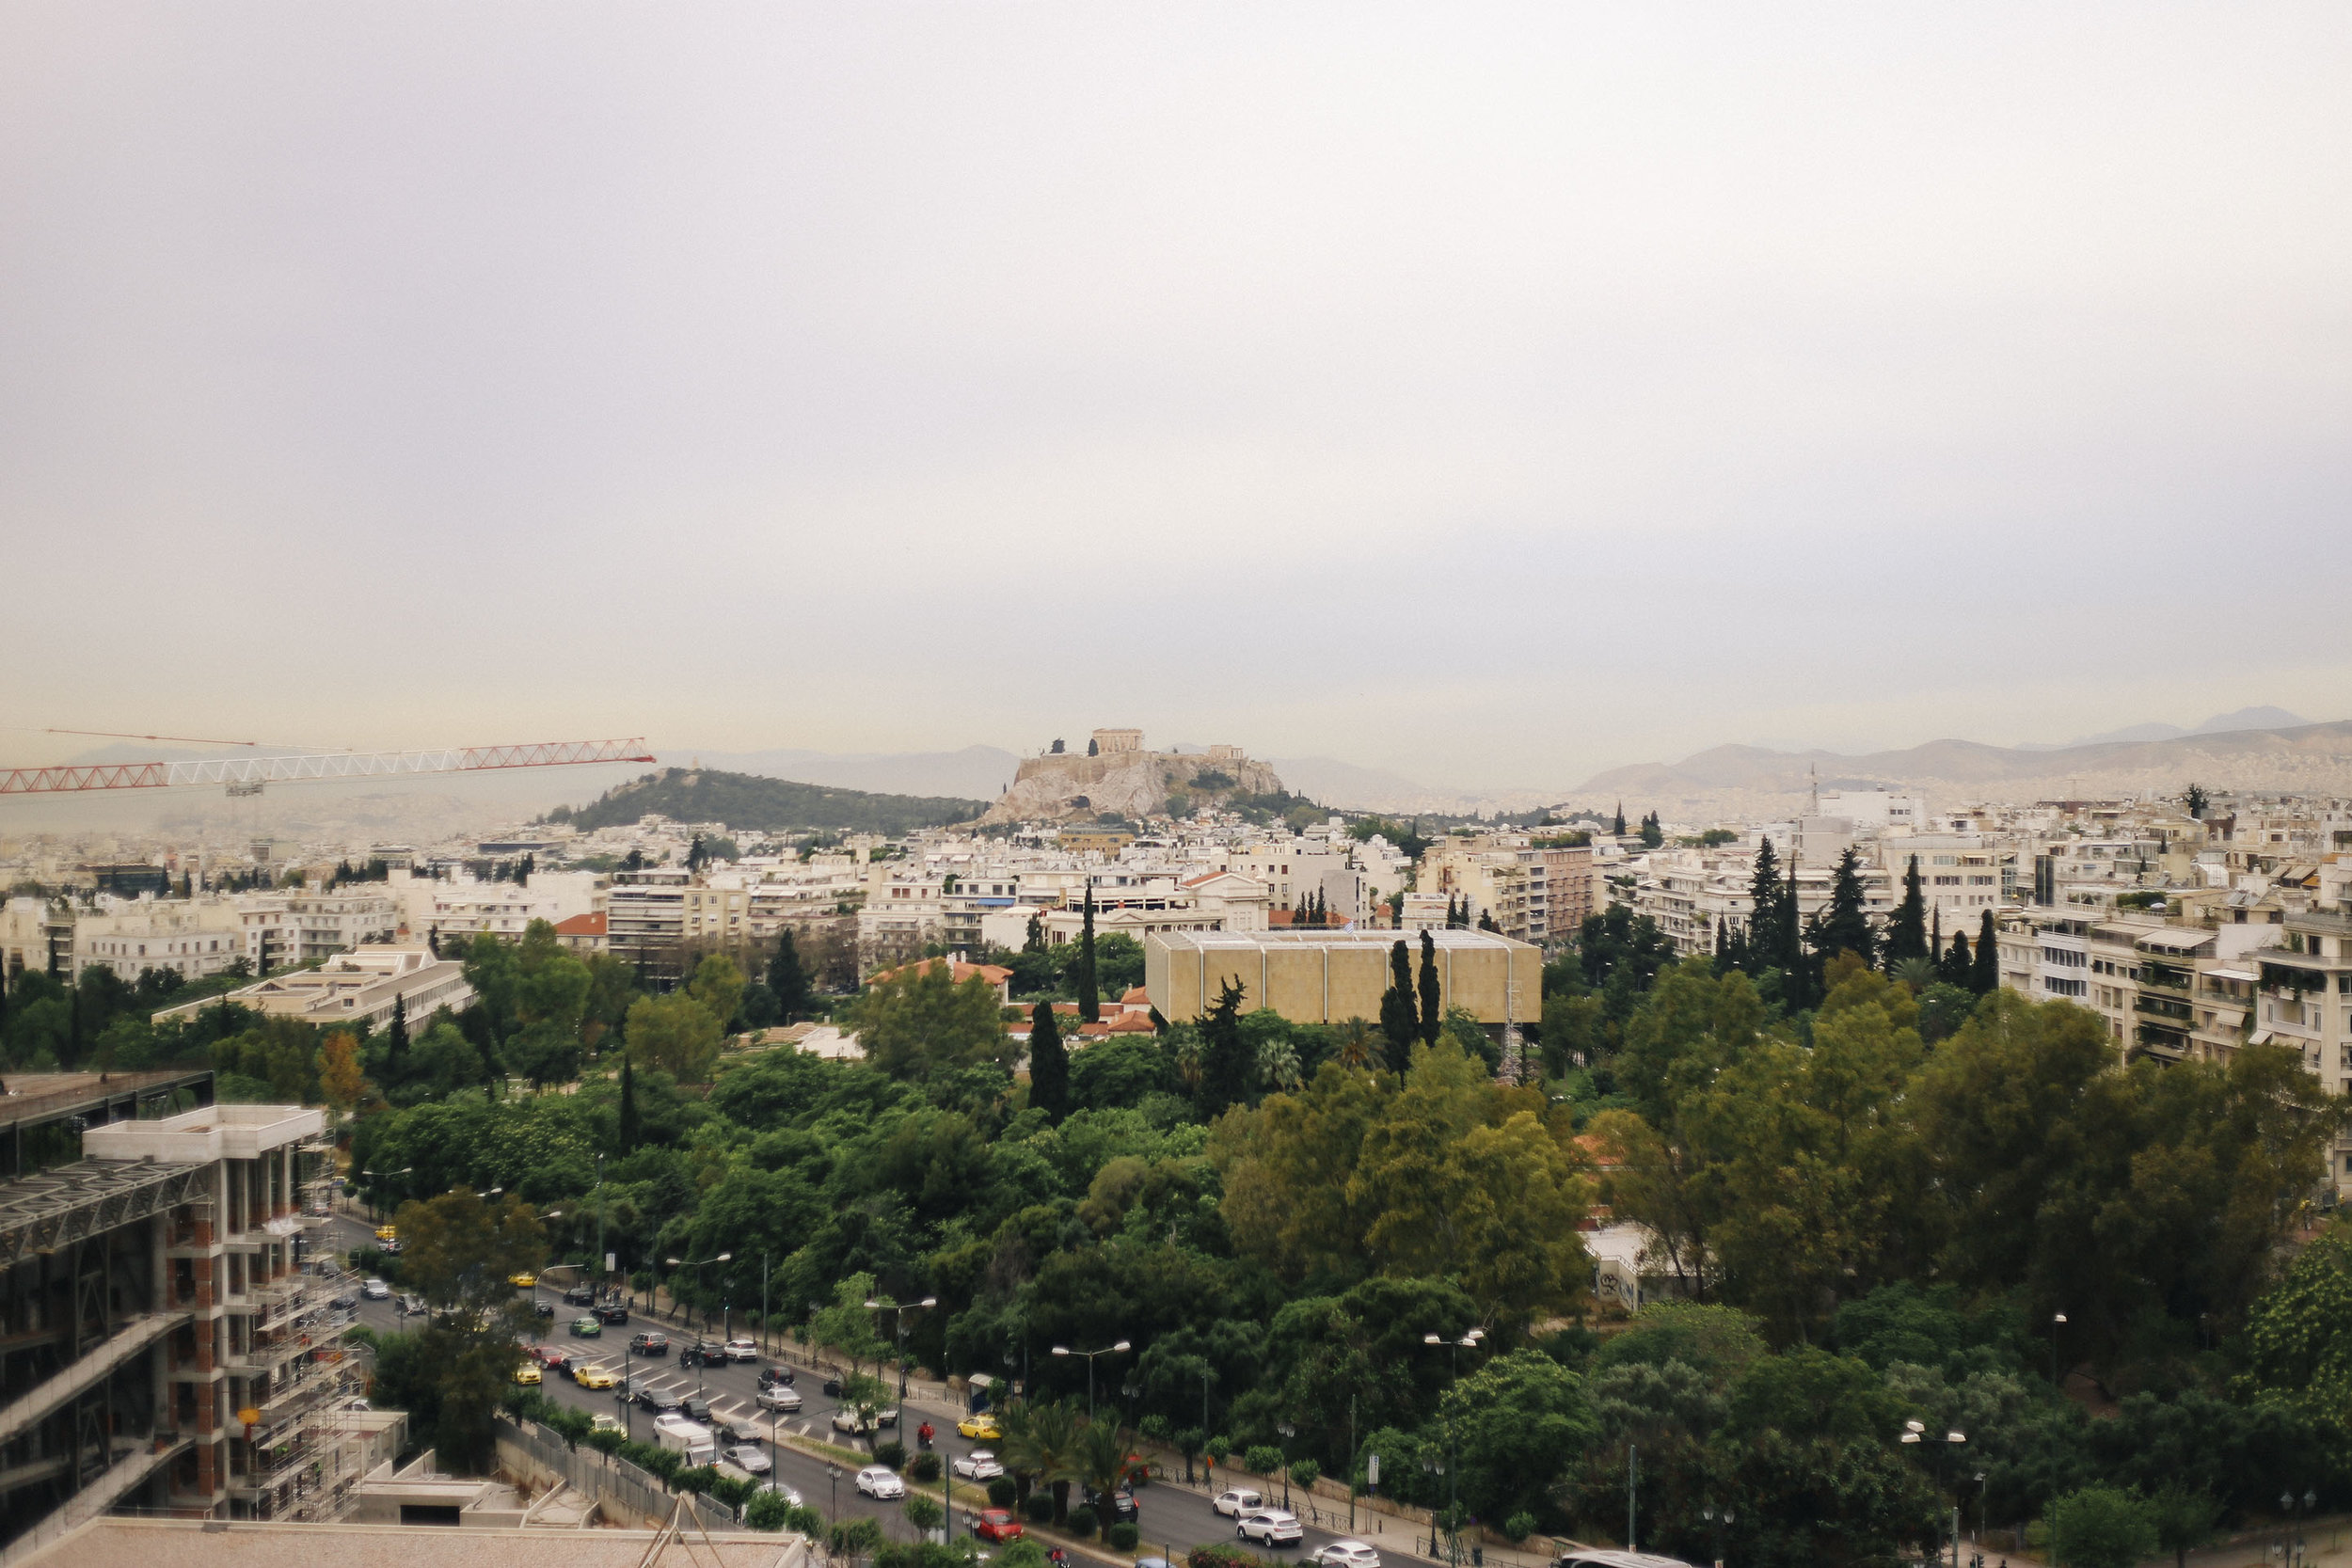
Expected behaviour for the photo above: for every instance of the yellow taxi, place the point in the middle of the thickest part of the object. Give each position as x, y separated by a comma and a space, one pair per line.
524, 1280
528, 1373
597, 1377
387, 1233
982, 1426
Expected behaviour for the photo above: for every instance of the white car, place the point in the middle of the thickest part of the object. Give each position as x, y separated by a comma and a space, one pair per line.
1238, 1503
845, 1420
778, 1398
789, 1494
1346, 1554
742, 1350
747, 1458
375, 1289
1270, 1527
881, 1481
979, 1465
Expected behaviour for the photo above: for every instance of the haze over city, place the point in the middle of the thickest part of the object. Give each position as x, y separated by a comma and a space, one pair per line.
1492, 396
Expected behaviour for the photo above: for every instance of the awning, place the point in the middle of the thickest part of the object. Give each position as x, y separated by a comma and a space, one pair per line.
2260, 1037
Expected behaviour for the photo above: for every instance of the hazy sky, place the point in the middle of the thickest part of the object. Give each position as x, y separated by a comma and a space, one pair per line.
1489, 394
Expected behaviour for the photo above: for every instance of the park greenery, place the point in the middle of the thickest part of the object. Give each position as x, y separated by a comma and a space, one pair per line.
1872, 1183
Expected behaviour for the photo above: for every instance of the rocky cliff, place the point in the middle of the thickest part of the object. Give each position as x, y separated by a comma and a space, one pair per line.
1065, 786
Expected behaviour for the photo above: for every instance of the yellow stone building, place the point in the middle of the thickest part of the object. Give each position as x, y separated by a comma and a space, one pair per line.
1317, 976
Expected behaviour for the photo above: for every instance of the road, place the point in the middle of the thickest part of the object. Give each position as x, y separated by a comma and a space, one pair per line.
1174, 1517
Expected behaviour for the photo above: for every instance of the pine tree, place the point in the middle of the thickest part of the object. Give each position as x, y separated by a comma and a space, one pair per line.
1984, 973
1764, 942
396, 1036
631, 1132
1090, 1005
1907, 933
694, 854
1036, 940
1432, 995
1049, 1064
1400, 1020
1226, 1069
2195, 801
1845, 925
1487, 923
787, 978
1722, 948
1795, 962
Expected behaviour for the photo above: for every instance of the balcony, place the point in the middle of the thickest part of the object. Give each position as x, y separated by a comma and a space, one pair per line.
2164, 1007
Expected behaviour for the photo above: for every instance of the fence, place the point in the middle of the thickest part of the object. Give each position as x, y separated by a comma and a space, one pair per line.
628, 1486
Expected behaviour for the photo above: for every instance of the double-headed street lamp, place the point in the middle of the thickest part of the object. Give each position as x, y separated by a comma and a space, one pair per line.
1720, 1522
897, 1310
698, 1264
1915, 1431
1452, 1482
1107, 1350
370, 1178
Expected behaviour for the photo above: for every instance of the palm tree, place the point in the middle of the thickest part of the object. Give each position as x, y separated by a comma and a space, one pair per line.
1039, 1444
1358, 1047
1918, 974
1105, 1461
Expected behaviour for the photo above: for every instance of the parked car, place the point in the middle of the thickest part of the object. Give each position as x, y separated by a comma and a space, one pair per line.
881, 1481
997, 1523
612, 1314
1346, 1554
742, 1350
1270, 1527
777, 1397
596, 1376
981, 1427
979, 1465
748, 1458
375, 1289
1121, 1505
1238, 1502
649, 1344
588, 1328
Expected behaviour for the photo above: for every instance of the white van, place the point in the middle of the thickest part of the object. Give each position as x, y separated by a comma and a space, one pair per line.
690, 1441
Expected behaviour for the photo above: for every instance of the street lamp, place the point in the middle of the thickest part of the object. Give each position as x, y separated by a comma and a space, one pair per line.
898, 1311
1287, 1431
1718, 1524
1453, 1497
2058, 1321
1915, 1431
698, 1264
1090, 1354
370, 1176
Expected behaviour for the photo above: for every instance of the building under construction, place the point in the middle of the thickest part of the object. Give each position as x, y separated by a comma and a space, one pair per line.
162, 1346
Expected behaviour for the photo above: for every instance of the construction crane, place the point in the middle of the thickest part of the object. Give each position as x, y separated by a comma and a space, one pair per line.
247, 775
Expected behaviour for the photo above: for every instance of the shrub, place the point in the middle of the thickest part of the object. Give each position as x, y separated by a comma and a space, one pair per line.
807, 1521
768, 1510
1040, 1506
1002, 1490
734, 1491
923, 1467
856, 1537
1156, 1428
893, 1453
1518, 1526
1305, 1472
1125, 1535
701, 1479
2100, 1527
1263, 1459
1219, 1446
924, 1513
1083, 1520
1217, 1554
1022, 1552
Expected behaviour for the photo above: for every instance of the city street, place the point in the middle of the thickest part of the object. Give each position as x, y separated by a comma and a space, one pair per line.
1174, 1518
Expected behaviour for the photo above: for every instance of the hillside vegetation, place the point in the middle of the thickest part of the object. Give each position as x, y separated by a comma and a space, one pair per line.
748, 800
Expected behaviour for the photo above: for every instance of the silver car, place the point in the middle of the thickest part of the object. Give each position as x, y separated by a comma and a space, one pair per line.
1346, 1554
979, 1465
749, 1458
1270, 1527
880, 1480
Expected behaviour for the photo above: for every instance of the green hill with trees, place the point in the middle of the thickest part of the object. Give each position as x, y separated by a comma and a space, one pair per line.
773, 805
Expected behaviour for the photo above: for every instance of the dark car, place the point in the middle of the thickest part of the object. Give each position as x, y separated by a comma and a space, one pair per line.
1122, 1507
649, 1344
580, 1295
544, 1309
695, 1409
770, 1377
611, 1313
347, 1301
832, 1388
703, 1353
660, 1403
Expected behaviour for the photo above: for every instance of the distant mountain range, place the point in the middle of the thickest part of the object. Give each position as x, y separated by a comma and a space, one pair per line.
1751, 780
2220, 723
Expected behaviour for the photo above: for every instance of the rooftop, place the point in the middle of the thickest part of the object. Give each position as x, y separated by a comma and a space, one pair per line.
44, 1212
132, 1543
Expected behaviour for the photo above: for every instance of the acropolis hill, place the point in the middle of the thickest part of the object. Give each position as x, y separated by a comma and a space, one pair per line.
1124, 780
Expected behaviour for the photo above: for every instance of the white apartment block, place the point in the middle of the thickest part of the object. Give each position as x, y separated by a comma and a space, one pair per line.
355, 988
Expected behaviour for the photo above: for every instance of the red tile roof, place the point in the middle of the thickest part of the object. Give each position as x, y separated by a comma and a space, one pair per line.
992, 973
581, 926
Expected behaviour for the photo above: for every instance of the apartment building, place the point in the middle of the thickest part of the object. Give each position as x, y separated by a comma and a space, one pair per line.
652, 915
1960, 875
298, 927
1315, 977
193, 938
458, 911
161, 1349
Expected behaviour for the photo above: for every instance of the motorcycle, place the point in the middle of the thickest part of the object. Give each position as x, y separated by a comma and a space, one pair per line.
924, 1433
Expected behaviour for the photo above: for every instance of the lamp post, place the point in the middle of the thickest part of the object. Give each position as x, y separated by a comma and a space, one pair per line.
1717, 1523
1090, 1354
1452, 1485
1287, 1433
833, 1473
2058, 1321
1915, 1431
1976, 1559
370, 1176
701, 1362
898, 1311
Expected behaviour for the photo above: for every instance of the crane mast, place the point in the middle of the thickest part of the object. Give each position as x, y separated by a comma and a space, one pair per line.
247, 775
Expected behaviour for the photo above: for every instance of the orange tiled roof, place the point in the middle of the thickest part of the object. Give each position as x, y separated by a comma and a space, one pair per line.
581, 926
992, 973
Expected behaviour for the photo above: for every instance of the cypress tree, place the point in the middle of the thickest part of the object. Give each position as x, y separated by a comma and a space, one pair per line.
1226, 1067
1984, 973
1049, 1064
1953, 969
396, 1036
1794, 961
1432, 995
1845, 926
1722, 948
631, 1132
1400, 1021
1907, 933
1617, 827
1090, 1005
787, 977
1035, 941
1764, 941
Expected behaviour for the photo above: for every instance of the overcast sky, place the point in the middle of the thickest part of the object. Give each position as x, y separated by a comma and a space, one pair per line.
1492, 394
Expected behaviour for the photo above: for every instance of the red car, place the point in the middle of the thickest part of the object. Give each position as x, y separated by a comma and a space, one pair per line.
997, 1523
